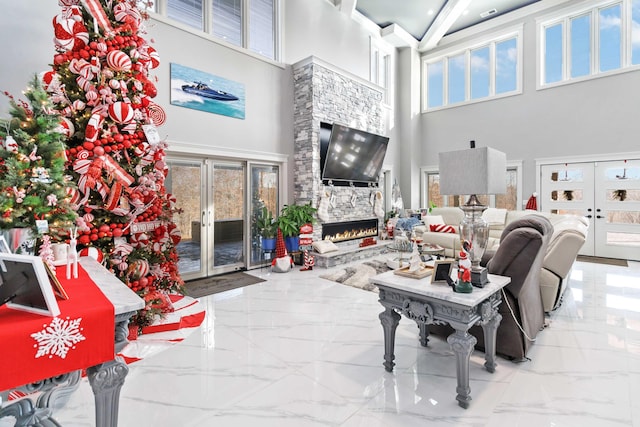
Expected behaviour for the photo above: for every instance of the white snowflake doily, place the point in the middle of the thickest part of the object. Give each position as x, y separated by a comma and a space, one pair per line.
58, 337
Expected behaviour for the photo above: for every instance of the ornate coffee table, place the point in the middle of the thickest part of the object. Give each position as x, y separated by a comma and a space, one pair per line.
427, 303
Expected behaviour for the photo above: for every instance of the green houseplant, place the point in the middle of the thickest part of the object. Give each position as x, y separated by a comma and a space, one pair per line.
291, 218
267, 227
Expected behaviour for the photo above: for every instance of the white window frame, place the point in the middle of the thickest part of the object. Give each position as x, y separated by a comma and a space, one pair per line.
381, 63
425, 171
489, 40
564, 16
159, 12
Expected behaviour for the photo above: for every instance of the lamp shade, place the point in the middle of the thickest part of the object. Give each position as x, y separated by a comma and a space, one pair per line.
473, 171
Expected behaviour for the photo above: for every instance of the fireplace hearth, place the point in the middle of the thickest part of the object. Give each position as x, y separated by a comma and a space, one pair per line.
350, 230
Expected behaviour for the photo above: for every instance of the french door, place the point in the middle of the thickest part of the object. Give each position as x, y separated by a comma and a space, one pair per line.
211, 210
217, 201
607, 193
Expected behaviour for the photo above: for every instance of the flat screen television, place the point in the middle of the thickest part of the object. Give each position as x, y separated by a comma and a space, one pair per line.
350, 156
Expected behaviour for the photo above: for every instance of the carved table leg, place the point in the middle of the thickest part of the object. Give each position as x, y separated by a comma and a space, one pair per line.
107, 378
462, 344
489, 329
389, 320
106, 381
424, 334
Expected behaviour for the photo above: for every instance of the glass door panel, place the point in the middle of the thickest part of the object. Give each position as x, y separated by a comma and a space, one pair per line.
184, 181
567, 188
228, 180
618, 209
263, 187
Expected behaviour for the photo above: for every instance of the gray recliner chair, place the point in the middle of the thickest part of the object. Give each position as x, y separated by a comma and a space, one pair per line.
523, 245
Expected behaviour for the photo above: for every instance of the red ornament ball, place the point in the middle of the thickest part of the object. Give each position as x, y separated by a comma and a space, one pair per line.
92, 252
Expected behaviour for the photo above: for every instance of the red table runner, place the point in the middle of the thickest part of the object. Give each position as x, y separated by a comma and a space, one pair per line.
36, 347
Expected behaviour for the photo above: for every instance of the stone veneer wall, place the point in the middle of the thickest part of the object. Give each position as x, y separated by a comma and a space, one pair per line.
323, 93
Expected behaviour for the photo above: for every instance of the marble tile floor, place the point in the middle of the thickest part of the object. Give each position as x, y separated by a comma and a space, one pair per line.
300, 351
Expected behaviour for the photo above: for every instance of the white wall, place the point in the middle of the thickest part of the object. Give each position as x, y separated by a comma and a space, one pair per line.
27, 34
596, 117
268, 122
318, 28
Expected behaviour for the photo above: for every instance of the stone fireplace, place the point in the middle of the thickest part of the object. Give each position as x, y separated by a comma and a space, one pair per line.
350, 230
324, 93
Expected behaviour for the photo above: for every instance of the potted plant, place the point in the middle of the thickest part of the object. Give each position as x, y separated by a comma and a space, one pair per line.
267, 227
291, 218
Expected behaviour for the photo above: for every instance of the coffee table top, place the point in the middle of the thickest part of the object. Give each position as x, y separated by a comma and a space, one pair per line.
441, 291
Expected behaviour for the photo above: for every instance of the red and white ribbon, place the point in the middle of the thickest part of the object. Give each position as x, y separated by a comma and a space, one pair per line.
116, 171
114, 196
97, 12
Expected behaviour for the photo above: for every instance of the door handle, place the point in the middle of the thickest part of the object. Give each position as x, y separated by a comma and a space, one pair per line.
203, 218
589, 216
598, 210
589, 210
599, 216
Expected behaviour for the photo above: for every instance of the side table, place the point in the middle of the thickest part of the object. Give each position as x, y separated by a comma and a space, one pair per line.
106, 379
426, 303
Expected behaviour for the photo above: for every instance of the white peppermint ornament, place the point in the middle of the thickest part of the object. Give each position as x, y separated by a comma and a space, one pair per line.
10, 144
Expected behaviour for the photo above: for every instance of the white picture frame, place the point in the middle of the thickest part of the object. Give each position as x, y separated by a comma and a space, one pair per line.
4, 246
25, 285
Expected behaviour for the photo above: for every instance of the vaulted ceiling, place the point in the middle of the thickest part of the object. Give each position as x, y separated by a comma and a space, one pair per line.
427, 21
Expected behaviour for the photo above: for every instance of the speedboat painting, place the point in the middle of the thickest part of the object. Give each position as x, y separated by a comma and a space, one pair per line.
191, 88
202, 89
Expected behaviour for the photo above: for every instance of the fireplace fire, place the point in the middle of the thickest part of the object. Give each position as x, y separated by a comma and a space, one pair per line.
350, 230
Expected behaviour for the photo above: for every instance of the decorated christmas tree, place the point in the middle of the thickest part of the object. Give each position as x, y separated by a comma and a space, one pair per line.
101, 84
33, 181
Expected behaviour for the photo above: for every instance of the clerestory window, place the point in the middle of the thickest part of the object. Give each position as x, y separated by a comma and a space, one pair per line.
248, 24
488, 69
594, 39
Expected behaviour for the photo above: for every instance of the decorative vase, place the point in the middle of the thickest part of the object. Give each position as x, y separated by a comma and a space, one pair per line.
269, 243
292, 243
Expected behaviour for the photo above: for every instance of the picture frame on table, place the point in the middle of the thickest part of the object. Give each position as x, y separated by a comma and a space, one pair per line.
58, 289
25, 285
4, 246
442, 271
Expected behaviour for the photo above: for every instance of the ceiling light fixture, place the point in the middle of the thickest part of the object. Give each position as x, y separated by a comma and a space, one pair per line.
430, 12
488, 13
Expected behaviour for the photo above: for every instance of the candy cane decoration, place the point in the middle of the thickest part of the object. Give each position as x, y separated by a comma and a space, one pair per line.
98, 14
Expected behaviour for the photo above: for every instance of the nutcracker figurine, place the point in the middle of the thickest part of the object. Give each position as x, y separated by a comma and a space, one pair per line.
463, 285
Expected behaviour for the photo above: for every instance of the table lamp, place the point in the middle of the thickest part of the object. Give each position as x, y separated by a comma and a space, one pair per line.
471, 172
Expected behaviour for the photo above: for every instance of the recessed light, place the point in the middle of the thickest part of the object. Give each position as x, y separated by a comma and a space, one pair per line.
488, 13
430, 12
